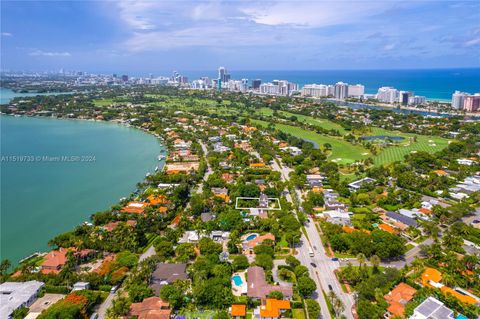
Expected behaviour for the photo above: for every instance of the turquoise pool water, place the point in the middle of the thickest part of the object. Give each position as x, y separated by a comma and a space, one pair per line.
237, 280
250, 237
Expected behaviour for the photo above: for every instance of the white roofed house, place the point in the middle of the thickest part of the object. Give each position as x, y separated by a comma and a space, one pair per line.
15, 295
355, 186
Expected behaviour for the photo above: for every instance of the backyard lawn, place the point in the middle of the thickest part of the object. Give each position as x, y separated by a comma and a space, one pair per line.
206, 314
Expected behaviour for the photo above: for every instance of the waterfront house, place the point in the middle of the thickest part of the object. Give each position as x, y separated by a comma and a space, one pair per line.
135, 207
181, 167
54, 261
113, 225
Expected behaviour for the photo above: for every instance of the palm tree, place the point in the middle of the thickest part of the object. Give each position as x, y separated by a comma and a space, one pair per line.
361, 259
375, 261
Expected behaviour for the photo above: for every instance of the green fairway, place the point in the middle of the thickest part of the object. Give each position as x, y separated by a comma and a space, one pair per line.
103, 102
342, 151
430, 144
324, 123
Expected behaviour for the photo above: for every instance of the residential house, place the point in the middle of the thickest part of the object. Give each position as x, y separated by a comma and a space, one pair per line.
54, 261
354, 186
238, 311
315, 180
338, 217
400, 221
258, 288
135, 207
166, 274
272, 309
221, 193
397, 298
15, 295
432, 308
432, 278
181, 168
249, 245
112, 225
151, 308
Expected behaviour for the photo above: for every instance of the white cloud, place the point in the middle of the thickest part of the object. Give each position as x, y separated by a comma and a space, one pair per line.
314, 14
49, 54
7, 34
472, 42
390, 46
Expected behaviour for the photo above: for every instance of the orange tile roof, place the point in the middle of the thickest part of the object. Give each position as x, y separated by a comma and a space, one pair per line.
398, 297
54, 261
260, 239
348, 229
463, 298
440, 172
158, 199
425, 211
163, 209
430, 274
387, 228
135, 208
239, 310
272, 308
256, 165
225, 197
151, 308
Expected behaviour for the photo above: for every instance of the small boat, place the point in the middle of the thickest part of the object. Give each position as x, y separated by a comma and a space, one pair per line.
147, 175
161, 157
156, 168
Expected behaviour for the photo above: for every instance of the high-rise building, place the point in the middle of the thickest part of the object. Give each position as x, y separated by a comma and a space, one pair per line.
356, 90
340, 90
125, 78
458, 99
387, 94
472, 103
416, 100
256, 84
315, 90
404, 96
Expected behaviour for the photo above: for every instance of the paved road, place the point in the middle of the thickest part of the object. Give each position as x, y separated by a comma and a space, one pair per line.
102, 310
303, 250
149, 253
209, 169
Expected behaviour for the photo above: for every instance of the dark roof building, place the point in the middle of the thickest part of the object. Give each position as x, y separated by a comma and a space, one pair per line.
166, 274
402, 219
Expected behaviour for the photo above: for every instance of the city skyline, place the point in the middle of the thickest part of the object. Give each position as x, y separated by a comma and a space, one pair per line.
159, 36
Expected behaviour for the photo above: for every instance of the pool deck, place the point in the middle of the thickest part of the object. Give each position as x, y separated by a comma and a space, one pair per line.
239, 290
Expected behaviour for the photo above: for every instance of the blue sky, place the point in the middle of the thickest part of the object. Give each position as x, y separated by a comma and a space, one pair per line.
158, 36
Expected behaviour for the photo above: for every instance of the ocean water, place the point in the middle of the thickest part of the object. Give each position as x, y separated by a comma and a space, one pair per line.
435, 84
41, 198
6, 95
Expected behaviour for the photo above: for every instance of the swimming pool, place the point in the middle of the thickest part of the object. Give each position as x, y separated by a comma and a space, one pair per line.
250, 237
237, 280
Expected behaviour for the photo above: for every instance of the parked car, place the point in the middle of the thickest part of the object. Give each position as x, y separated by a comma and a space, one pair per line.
334, 259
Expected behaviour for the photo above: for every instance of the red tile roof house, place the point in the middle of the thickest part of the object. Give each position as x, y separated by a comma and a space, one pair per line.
250, 245
151, 308
56, 259
258, 288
